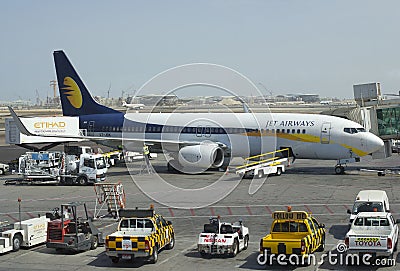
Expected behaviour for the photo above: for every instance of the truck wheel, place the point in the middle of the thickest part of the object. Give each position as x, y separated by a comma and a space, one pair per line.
82, 180
17, 241
322, 245
235, 248
1, 171
246, 242
95, 242
115, 259
171, 243
154, 258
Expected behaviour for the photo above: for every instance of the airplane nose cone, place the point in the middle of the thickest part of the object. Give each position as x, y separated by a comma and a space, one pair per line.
374, 143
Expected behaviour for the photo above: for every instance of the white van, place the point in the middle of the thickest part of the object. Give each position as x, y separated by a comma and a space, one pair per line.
369, 201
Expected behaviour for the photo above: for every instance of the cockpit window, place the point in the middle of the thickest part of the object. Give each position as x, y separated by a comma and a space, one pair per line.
354, 130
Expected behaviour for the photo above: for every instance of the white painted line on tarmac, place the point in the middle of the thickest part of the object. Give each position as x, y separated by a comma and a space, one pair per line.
178, 253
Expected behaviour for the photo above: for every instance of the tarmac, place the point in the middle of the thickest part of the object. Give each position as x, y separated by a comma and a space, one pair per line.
309, 185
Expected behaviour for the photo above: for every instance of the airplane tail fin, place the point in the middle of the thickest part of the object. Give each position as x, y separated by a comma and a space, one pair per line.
75, 98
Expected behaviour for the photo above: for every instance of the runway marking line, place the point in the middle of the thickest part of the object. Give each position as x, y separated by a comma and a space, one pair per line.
178, 253
249, 210
13, 218
30, 215
307, 208
212, 211
329, 210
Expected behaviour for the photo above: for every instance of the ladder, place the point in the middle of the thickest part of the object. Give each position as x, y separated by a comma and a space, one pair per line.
110, 196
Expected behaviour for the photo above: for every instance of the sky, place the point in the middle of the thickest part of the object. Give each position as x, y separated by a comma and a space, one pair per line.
314, 47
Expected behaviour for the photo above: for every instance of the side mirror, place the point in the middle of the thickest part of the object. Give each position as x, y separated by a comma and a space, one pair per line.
348, 211
397, 221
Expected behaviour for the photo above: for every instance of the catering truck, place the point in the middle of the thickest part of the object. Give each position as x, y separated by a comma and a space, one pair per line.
53, 167
223, 238
373, 233
26, 234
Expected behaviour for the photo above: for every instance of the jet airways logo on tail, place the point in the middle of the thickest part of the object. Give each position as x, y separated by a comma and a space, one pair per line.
72, 92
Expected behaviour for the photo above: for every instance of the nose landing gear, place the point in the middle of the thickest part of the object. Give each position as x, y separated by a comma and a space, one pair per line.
339, 168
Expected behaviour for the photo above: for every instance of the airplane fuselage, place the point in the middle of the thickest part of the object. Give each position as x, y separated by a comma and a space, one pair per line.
309, 136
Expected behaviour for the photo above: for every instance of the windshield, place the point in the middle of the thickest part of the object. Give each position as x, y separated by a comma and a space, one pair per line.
354, 130
100, 164
367, 207
139, 223
290, 226
371, 221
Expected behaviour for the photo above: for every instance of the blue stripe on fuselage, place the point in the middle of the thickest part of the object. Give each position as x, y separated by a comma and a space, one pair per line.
116, 122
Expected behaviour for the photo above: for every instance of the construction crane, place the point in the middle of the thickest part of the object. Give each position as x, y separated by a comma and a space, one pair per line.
270, 91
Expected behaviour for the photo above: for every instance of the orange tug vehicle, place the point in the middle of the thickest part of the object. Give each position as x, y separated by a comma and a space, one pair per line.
68, 231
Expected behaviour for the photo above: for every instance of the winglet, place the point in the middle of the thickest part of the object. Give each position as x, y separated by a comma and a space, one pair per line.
18, 122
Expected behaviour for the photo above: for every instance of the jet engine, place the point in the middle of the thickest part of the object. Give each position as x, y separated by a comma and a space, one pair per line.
201, 156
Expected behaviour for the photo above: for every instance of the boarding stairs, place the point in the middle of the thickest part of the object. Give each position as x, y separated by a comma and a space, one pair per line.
265, 161
110, 196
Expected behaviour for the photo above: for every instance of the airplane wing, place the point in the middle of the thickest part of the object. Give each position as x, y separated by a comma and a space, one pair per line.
25, 131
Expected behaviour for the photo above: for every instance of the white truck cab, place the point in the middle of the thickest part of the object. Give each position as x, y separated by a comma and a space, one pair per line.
369, 201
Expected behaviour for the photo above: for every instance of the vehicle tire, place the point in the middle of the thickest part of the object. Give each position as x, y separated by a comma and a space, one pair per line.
154, 257
1, 171
246, 242
115, 259
322, 246
278, 171
203, 254
260, 174
82, 180
171, 243
16, 242
339, 170
235, 248
95, 242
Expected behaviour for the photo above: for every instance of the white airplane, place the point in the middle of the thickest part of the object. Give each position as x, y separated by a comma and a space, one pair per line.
198, 141
133, 106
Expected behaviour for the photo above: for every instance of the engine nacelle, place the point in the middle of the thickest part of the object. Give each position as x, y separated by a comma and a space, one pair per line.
203, 156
